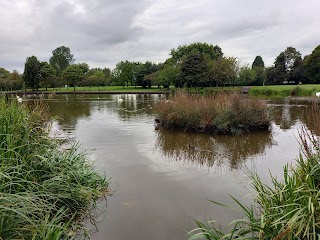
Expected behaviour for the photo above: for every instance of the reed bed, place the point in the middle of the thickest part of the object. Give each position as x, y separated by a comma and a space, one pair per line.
223, 113
45, 192
288, 209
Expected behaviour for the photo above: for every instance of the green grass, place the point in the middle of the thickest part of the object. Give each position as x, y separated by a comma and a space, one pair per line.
107, 88
45, 192
221, 113
286, 90
288, 209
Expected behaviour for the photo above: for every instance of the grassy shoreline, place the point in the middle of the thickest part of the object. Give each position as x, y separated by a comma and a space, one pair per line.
285, 90
268, 90
46, 192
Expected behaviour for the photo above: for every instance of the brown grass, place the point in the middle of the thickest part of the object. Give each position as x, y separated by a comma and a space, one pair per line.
223, 113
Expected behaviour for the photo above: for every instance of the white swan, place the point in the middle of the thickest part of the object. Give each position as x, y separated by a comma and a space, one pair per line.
19, 99
120, 99
318, 94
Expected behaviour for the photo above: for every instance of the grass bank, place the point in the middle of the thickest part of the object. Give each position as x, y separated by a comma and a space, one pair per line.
287, 210
45, 192
222, 113
106, 89
285, 90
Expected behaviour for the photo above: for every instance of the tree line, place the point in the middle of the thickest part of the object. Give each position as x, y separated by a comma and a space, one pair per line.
193, 65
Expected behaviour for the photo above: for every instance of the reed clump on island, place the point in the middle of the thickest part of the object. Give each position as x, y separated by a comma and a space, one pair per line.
45, 191
222, 113
288, 209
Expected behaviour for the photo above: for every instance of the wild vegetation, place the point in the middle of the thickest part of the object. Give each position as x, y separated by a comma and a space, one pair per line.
222, 113
288, 209
45, 191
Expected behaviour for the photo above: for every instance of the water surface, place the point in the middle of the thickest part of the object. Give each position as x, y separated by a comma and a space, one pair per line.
162, 180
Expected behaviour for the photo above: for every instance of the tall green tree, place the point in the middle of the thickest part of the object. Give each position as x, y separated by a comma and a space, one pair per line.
284, 64
194, 70
247, 75
258, 62
223, 71
31, 74
61, 59
168, 75
312, 65
143, 71
124, 73
4, 73
73, 75
208, 50
47, 74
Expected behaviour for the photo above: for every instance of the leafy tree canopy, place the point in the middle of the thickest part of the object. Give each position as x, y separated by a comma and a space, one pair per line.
223, 71
31, 74
208, 50
46, 74
4, 73
246, 75
61, 59
73, 74
258, 62
194, 70
312, 65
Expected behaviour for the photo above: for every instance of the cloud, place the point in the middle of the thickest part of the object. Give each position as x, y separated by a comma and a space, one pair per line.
103, 33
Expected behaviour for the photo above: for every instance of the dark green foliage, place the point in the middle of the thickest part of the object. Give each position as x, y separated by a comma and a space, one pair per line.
46, 74
285, 64
61, 59
73, 75
222, 71
312, 65
208, 50
4, 73
125, 73
143, 70
11, 81
194, 70
258, 62
247, 76
31, 74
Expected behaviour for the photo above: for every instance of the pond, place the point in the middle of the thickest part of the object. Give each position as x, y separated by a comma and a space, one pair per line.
163, 180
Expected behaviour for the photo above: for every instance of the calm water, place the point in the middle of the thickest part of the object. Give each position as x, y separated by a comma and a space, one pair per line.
162, 180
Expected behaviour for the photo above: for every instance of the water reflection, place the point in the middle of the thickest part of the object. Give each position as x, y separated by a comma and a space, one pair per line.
288, 112
209, 151
69, 109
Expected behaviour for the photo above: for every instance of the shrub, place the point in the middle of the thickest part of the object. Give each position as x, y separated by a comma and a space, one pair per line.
222, 113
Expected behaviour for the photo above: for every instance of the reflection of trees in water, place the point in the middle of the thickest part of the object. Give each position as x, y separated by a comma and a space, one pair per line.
286, 113
67, 109
203, 149
133, 105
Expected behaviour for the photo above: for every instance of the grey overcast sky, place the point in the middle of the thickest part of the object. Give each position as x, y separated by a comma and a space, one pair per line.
104, 32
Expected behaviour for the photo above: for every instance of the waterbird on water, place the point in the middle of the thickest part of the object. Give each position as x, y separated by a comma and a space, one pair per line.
318, 94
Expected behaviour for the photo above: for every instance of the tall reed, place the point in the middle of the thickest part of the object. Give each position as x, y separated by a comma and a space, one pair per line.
289, 209
45, 192
223, 113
